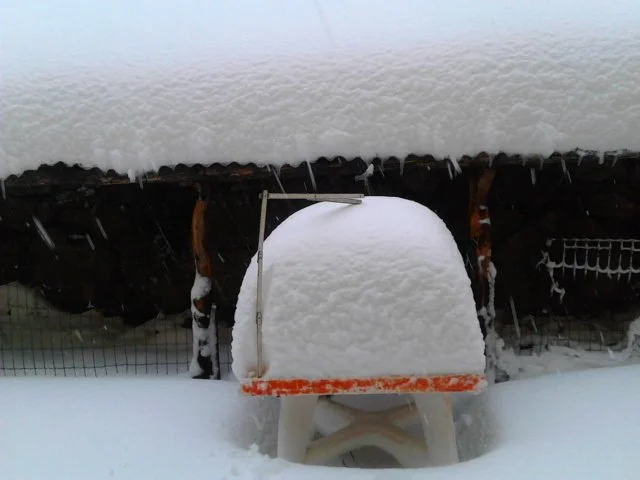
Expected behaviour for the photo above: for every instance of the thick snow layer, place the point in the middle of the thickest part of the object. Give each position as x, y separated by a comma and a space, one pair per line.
576, 426
363, 290
137, 85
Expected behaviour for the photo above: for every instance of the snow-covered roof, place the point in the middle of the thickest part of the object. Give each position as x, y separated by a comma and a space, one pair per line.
133, 86
358, 291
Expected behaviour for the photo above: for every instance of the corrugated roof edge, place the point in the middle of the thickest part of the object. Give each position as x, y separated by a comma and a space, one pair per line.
69, 175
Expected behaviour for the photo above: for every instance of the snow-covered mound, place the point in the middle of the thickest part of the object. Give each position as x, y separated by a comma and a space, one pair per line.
137, 85
360, 291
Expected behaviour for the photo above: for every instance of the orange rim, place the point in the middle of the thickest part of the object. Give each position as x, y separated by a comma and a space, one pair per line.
343, 386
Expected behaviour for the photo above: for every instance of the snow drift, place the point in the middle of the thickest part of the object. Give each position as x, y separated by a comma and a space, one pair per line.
133, 86
360, 291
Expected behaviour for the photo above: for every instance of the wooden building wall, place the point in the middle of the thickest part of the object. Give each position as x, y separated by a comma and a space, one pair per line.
142, 263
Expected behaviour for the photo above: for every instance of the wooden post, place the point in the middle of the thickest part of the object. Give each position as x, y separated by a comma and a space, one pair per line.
485, 270
205, 361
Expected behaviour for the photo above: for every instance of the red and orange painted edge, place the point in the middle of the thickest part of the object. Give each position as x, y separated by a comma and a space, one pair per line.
343, 386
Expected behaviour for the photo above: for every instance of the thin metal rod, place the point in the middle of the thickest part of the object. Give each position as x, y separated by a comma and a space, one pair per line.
315, 196
263, 221
351, 201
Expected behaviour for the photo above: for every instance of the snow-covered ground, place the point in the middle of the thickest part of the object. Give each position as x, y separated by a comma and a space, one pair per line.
578, 425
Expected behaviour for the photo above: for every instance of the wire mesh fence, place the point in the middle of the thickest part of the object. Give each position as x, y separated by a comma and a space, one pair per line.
36, 339
580, 270
533, 335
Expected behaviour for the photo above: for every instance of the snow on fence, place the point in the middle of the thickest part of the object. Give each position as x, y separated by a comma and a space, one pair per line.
37, 339
617, 258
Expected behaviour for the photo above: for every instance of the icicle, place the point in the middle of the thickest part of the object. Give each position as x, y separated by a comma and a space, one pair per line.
533, 176
450, 172
132, 175
600, 158
364, 175
313, 178
401, 166
43, 233
564, 169
140, 182
90, 241
4, 190
102, 231
456, 165
276, 173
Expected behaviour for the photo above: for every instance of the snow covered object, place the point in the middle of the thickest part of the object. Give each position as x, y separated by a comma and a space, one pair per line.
306, 81
377, 289
360, 299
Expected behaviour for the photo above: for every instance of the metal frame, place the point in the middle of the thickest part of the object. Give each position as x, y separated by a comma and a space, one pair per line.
350, 198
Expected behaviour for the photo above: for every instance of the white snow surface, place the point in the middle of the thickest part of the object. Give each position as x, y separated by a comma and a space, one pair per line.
358, 291
573, 426
133, 86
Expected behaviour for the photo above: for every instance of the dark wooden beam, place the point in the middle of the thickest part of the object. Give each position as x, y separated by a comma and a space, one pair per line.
480, 221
